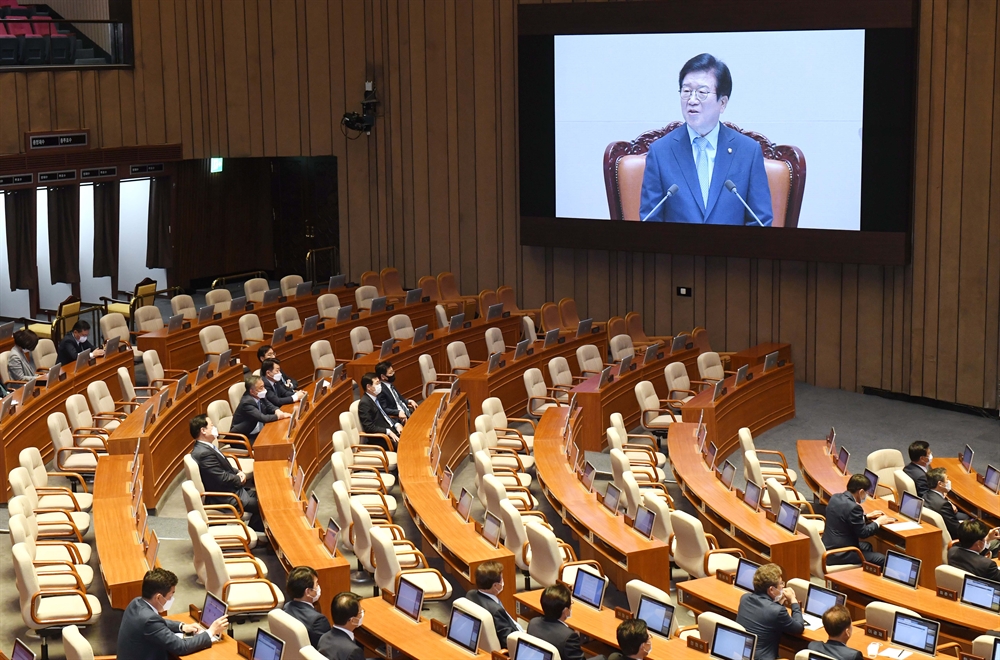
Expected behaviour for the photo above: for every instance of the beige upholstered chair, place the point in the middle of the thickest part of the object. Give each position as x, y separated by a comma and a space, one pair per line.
213, 341
883, 615
251, 331
618, 422
371, 498
364, 295
501, 459
458, 358
103, 403
129, 389
388, 570
342, 515
662, 528
507, 477
778, 493
441, 316
776, 467
589, 360
621, 347
81, 419
45, 607
328, 305
372, 455
548, 565
515, 536
76, 645
710, 366
239, 561
561, 376
322, 358
49, 525
244, 595
20, 484
514, 638
51, 496
652, 417
45, 354
361, 526
904, 483
949, 577
219, 299
502, 436
69, 457
183, 304
636, 589
679, 384
818, 554
493, 407
289, 630
639, 457
361, 342
382, 477
528, 329
288, 317
112, 325
982, 646
494, 341
430, 378
495, 492
222, 528
254, 289
699, 553
752, 472
155, 373
289, 283
884, 462
934, 518
540, 396
400, 327
148, 319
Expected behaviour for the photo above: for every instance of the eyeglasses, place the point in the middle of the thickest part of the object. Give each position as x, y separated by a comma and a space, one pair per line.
701, 93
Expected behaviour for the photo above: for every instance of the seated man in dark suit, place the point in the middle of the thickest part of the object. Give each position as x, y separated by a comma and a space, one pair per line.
217, 473
254, 410
551, 626
76, 342
633, 640
303, 590
764, 614
920, 462
837, 624
391, 399
971, 554
374, 418
145, 635
266, 352
846, 524
339, 643
489, 584
278, 393
936, 499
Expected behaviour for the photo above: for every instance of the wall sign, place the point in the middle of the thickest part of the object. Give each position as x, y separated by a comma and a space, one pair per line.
52, 177
99, 173
146, 169
58, 140
16, 180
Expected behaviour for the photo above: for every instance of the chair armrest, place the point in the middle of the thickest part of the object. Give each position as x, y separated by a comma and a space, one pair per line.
111, 417
524, 420
71, 475
547, 399
774, 452
682, 629
950, 646
397, 532
58, 490
274, 593
536, 514
83, 618
388, 441
76, 450
835, 551
504, 452
895, 495
691, 392
372, 451
240, 559
433, 594
580, 562
803, 503
721, 551
640, 449
660, 487
516, 438
237, 439
647, 473
668, 411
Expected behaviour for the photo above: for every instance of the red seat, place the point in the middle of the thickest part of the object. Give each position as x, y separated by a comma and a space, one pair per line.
19, 26
43, 26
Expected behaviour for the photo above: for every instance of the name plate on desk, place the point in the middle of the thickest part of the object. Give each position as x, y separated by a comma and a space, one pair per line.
871, 568
389, 597
950, 594
876, 632
439, 627
770, 516
622, 614
728, 578
697, 644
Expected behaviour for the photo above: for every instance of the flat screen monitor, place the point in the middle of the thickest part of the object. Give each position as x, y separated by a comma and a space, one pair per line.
135, 459
337, 282
644, 519
464, 629
493, 363
205, 314
611, 498
679, 342
650, 354
819, 600
745, 571
589, 472
551, 337
419, 335
338, 374
494, 312
465, 504
299, 482
842, 459
717, 389
303, 289
702, 436
770, 361
526, 650
625, 364
161, 403
992, 478
267, 646
413, 296
312, 509
605, 377
491, 529
227, 354
658, 615
201, 374
521, 349
915, 632
980, 592
386, 349
82, 360
331, 535
728, 474
901, 568
310, 324
996, 649
712, 453
741, 375
446, 480
21, 650
910, 506
174, 323
589, 588
752, 495
279, 335
788, 517
137, 501
409, 599
237, 304
147, 417
214, 609
271, 296
583, 328
51, 378
831, 441
732, 644
967, 455
5, 406
378, 305
453, 391
873, 480
111, 347
6, 330
455, 322
344, 313
180, 387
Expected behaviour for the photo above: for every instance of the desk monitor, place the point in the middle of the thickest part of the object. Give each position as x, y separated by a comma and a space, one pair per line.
6, 330
51, 378
141, 520
910, 506
526, 650
456, 321
174, 323
741, 375
679, 342
702, 436
873, 480
901, 568
712, 452
299, 482
644, 519
831, 441
227, 354
996, 649
915, 632
386, 349
147, 417
310, 324
967, 455
161, 404
409, 599
303, 289
494, 363
213, 609
419, 335
494, 312
111, 346
589, 472
728, 474
152, 549
992, 478
135, 462
312, 509
574, 452
842, 459
732, 644
21, 650
378, 305
605, 377
788, 517
237, 305
83, 360
205, 314
181, 386
819, 600
650, 354
551, 338
583, 327
521, 349
279, 335
752, 495
337, 282
745, 571
464, 630
657, 615
344, 313
717, 390
413, 296
589, 588
331, 535
980, 592
271, 296
446, 480
338, 374
5, 406
491, 529
465, 504
770, 361
625, 364
611, 498
201, 374
454, 390
267, 646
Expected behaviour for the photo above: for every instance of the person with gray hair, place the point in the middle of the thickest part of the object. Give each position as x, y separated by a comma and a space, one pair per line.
254, 410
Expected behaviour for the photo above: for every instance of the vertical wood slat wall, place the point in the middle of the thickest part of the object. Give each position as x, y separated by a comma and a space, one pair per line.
434, 187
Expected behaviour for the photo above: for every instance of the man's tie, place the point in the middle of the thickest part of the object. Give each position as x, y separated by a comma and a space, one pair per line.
400, 404
701, 164
379, 406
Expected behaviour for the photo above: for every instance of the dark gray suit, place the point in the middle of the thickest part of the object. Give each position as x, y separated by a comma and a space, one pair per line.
974, 563
836, 649
336, 645
310, 617
935, 501
392, 401
765, 618
915, 472
145, 635
502, 621
218, 475
249, 412
846, 525
566, 640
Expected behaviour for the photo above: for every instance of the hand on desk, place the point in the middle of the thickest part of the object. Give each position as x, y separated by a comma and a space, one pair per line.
875, 514
299, 395
97, 352
282, 414
885, 520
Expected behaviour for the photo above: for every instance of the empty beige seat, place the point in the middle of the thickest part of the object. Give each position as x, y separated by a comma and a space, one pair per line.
21, 485
51, 496
244, 595
240, 566
251, 331
884, 462
183, 304
288, 317
430, 378
621, 347
710, 366
361, 342
548, 565
148, 319
589, 360
112, 325
219, 299
698, 553
45, 354
653, 416
42, 608
289, 283
50, 525
458, 358
155, 373
678, 383
560, 374
322, 358
388, 569
291, 631
494, 341
254, 289
540, 396
328, 305
364, 295
82, 420
776, 467
213, 341
70, 457
400, 327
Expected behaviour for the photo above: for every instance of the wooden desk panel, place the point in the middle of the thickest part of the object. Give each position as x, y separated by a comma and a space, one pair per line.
971, 495
623, 553
507, 382
404, 637
822, 476
224, 649
406, 362
760, 404
722, 513
755, 354
29, 427
443, 532
122, 557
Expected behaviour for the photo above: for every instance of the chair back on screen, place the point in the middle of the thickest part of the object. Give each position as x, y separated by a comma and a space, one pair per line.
289, 283
327, 306
254, 289
219, 299
949, 577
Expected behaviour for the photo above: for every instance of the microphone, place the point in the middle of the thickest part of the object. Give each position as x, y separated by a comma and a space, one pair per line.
731, 187
671, 191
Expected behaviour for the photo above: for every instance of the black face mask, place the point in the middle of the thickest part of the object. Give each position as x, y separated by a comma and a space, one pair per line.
389, 379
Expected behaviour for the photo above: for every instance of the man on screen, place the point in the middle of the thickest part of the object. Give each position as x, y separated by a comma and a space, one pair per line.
702, 155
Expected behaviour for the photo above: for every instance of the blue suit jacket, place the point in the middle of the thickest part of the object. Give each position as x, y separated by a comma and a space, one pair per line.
670, 161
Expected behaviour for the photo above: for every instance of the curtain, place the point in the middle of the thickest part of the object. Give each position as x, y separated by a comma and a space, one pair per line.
22, 239
106, 212
64, 233
159, 253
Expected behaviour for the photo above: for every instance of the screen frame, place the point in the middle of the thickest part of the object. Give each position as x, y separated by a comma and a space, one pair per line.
256, 643
895, 626
741, 562
673, 611
909, 497
479, 630
604, 587
420, 600
798, 513
813, 587
19, 643
965, 583
534, 647
742, 633
204, 608
916, 578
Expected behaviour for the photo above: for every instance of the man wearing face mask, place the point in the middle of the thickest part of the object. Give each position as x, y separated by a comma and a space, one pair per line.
76, 342
847, 524
145, 635
489, 586
633, 640
936, 499
971, 554
266, 352
920, 462
339, 642
837, 624
390, 398
218, 474
764, 612
303, 588
374, 418
278, 393
254, 410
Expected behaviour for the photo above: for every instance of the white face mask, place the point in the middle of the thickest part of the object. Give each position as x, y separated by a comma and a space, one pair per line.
930, 457
167, 605
319, 592
262, 394
777, 596
361, 618
215, 432
276, 377
947, 485
378, 389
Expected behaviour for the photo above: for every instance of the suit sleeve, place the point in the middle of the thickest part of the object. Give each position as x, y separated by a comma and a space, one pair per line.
263, 415
759, 194
652, 189
318, 627
218, 477
860, 525
793, 623
158, 634
67, 351
572, 647
276, 398
388, 403
371, 421
17, 368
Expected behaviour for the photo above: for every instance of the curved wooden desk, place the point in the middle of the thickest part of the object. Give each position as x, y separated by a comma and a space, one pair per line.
168, 438
619, 395
406, 361
971, 495
443, 531
623, 553
822, 476
28, 427
759, 404
723, 514
388, 633
507, 382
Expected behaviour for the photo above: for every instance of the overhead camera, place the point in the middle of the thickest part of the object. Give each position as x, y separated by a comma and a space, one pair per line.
366, 120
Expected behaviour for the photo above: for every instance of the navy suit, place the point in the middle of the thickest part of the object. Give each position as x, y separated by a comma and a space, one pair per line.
972, 562
390, 399
310, 617
919, 476
278, 393
566, 640
846, 525
935, 501
336, 645
219, 476
145, 635
738, 158
760, 615
502, 621
836, 649
69, 349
